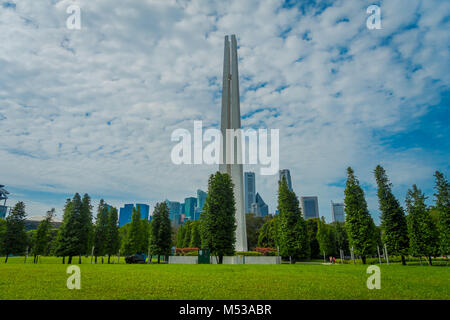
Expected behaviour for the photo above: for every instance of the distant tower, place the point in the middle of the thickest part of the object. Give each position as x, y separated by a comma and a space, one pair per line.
310, 207
249, 190
231, 119
287, 174
337, 212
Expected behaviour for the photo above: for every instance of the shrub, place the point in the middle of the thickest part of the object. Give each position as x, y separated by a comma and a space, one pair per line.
248, 253
184, 251
266, 251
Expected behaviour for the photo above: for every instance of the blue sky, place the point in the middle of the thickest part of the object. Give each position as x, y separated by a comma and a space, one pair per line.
92, 110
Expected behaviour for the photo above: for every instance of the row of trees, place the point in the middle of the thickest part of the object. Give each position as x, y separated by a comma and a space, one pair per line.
423, 231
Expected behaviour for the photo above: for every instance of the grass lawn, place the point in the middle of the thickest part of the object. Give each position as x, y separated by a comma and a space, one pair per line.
47, 280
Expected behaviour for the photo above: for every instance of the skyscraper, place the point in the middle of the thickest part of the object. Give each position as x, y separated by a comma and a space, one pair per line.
201, 199
231, 159
189, 207
249, 190
127, 211
337, 212
287, 175
261, 207
310, 207
174, 211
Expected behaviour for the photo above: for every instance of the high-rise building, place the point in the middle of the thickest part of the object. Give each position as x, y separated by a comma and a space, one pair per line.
190, 204
337, 212
127, 211
201, 199
310, 207
261, 209
231, 119
3, 196
287, 175
174, 211
249, 190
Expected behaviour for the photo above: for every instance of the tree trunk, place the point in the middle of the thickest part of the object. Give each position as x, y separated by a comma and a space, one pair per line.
6, 258
363, 258
79, 259
429, 261
159, 258
70, 260
95, 259
102, 259
109, 259
64, 259
34, 260
403, 261
220, 259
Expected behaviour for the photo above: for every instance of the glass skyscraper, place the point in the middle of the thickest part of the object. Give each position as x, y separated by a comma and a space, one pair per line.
127, 211
249, 191
189, 207
337, 212
310, 207
262, 209
201, 199
287, 175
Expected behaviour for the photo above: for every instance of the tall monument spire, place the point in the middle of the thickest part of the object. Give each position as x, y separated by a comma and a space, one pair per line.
231, 119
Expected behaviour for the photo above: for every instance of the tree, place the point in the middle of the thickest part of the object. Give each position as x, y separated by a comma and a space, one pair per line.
15, 238
423, 237
62, 238
132, 242
112, 244
442, 205
74, 229
101, 230
196, 240
218, 218
85, 231
187, 234
393, 221
180, 237
160, 232
311, 225
41, 238
359, 223
324, 237
341, 237
2, 234
292, 234
253, 225
267, 237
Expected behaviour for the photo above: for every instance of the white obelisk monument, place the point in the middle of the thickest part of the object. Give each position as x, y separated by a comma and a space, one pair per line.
231, 119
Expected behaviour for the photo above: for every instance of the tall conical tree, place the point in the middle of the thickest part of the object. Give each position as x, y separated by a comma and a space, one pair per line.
360, 226
423, 237
41, 238
101, 230
74, 229
62, 238
292, 234
133, 241
218, 222
442, 205
85, 223
393, 221
187, 234
15, 237
196, 240
112, 244
161, 231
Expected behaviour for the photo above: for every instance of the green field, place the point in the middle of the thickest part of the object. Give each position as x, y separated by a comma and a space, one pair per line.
47, 280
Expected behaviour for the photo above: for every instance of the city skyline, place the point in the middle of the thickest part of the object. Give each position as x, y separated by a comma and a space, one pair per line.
341, 95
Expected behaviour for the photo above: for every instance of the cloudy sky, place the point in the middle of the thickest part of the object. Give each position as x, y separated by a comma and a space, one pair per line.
92, 110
